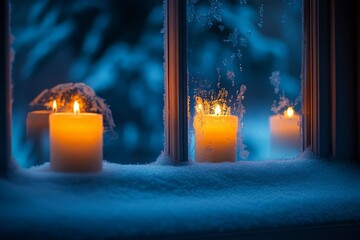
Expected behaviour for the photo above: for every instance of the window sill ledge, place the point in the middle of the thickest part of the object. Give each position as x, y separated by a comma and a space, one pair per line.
278, 197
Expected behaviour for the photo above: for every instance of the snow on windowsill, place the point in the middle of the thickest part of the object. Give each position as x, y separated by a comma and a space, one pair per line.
145, 200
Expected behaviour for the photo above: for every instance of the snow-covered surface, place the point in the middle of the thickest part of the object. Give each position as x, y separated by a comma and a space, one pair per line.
143, 200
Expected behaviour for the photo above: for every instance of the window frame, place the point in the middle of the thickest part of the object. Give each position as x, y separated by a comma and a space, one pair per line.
331, 79
330, 72
5, 89
176, 99
324, 131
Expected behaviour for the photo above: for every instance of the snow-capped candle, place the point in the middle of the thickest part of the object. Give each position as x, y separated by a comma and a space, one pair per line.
76, 141
215, 137
285, 130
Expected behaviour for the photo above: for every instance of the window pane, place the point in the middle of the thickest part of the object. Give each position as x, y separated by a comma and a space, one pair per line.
108, 47
236, 45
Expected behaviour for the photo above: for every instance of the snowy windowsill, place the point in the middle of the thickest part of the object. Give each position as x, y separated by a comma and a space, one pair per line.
143, 200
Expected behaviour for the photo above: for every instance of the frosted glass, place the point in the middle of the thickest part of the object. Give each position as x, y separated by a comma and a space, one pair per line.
255, 44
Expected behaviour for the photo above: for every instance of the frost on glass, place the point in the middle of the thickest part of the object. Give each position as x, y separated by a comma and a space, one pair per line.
245, 54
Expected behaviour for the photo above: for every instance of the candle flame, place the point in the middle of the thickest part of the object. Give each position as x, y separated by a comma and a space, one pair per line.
54, 106
289, 112
217, 110
76, 107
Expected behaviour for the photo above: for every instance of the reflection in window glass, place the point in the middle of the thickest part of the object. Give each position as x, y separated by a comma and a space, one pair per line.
106, 46
244, 56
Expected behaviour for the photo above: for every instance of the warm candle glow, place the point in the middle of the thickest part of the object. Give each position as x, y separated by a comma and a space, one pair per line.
217, 110
76, 141
76, 107
199, 108
54, 106
215, 133
285, 132
289, 112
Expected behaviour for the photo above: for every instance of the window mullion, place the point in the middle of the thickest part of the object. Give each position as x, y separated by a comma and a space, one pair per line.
5, 102
176, 122
316, 78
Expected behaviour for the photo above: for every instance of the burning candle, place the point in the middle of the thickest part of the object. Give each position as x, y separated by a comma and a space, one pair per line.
38, 121
215, 136
37, 132
76, 141
285, 131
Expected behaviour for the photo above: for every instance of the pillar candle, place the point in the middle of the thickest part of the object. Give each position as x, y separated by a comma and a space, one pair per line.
76, 141
285, 131
215, 137
37, 122
37, 132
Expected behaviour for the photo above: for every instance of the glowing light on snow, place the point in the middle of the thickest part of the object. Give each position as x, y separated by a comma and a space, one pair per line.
76, 107
289, 112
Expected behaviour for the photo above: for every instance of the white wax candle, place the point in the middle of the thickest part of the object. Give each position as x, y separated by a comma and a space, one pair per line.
285, 131
76, 142
215, 138
37, 133
37, 122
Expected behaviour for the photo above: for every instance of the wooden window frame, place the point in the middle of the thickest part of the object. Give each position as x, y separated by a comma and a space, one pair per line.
328, 86
5, 89
331, 79
331, 111
176, 82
